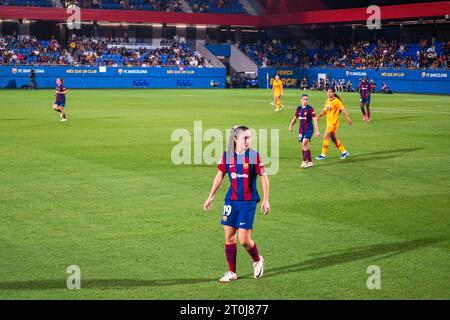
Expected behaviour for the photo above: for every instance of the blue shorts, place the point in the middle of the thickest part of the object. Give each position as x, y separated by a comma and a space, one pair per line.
364, 101
305, 135
61, 103
239, 214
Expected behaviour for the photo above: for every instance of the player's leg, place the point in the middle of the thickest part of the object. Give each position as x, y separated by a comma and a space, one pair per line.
274, 103
277, 102
245, 219
229, 220
230, 253
339, 145
304, 157
326, 144
361, 106
246, 241
56, 108
368, 109
63, 113
307, 151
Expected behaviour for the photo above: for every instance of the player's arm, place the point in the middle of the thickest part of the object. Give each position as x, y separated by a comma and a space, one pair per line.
216, 185
281, 89
349, 121
321, 114
292, 122
265, 206
61, 92
316, 126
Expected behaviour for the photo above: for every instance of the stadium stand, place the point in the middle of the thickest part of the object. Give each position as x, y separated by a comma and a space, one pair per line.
27, 3
220, 6
359, 55
198, 6
93, 52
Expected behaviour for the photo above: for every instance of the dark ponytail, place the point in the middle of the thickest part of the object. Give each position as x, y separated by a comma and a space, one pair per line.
335, 94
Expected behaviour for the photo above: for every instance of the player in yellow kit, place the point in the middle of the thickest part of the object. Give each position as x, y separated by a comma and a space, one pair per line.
333, 108
277, 92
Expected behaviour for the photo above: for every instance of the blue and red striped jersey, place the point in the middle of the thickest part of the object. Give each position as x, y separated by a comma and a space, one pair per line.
242, 171
59, 96
305, 116
365, 89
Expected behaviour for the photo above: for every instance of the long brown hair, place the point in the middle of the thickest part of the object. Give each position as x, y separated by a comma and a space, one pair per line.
235, 132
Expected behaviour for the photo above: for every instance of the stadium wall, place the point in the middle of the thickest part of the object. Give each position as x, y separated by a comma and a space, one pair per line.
398, 80
114, 77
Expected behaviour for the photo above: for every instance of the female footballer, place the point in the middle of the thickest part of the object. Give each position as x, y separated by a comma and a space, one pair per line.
307, 122
365, 90
277, 92
242, 165
333, 108
60, 101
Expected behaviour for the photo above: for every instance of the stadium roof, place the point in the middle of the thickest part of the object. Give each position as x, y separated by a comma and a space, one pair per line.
391, 12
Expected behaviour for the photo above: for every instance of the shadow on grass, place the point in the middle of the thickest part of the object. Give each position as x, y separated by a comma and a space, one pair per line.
332, 258
98, 283
371, 156
96, 118
399, 118
322, 260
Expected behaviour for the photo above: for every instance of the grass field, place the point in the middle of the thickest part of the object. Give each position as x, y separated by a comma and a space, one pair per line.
101, 192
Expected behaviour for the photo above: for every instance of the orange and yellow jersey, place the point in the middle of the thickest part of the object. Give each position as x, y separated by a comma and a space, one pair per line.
333, 109
277, 86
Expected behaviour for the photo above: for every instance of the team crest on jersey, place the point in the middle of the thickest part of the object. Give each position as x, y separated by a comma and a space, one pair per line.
245, 165
225, 218
306, 113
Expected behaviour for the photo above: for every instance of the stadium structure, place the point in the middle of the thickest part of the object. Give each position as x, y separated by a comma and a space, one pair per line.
218, 44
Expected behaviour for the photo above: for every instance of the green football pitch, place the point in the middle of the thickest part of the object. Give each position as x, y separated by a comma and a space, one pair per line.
101, 192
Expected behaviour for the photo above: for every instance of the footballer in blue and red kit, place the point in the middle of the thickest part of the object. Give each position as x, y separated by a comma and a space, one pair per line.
60, 99
365, 90
305, 116
242, 196
242, 165
307, 125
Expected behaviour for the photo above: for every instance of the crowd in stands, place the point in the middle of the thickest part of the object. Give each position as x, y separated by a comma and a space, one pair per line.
219, 6
86, 51
198, 6
339, 85
151, 5
360, 55
275, 54
30, 51
27, 3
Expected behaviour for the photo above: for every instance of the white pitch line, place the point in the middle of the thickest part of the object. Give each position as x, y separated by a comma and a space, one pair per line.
379, 110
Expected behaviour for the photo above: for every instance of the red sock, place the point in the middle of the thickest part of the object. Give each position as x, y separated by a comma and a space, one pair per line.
303, 155
253, 252
230, 254
308, 155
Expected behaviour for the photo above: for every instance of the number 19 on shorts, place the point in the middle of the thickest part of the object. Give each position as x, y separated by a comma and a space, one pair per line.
226, 212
